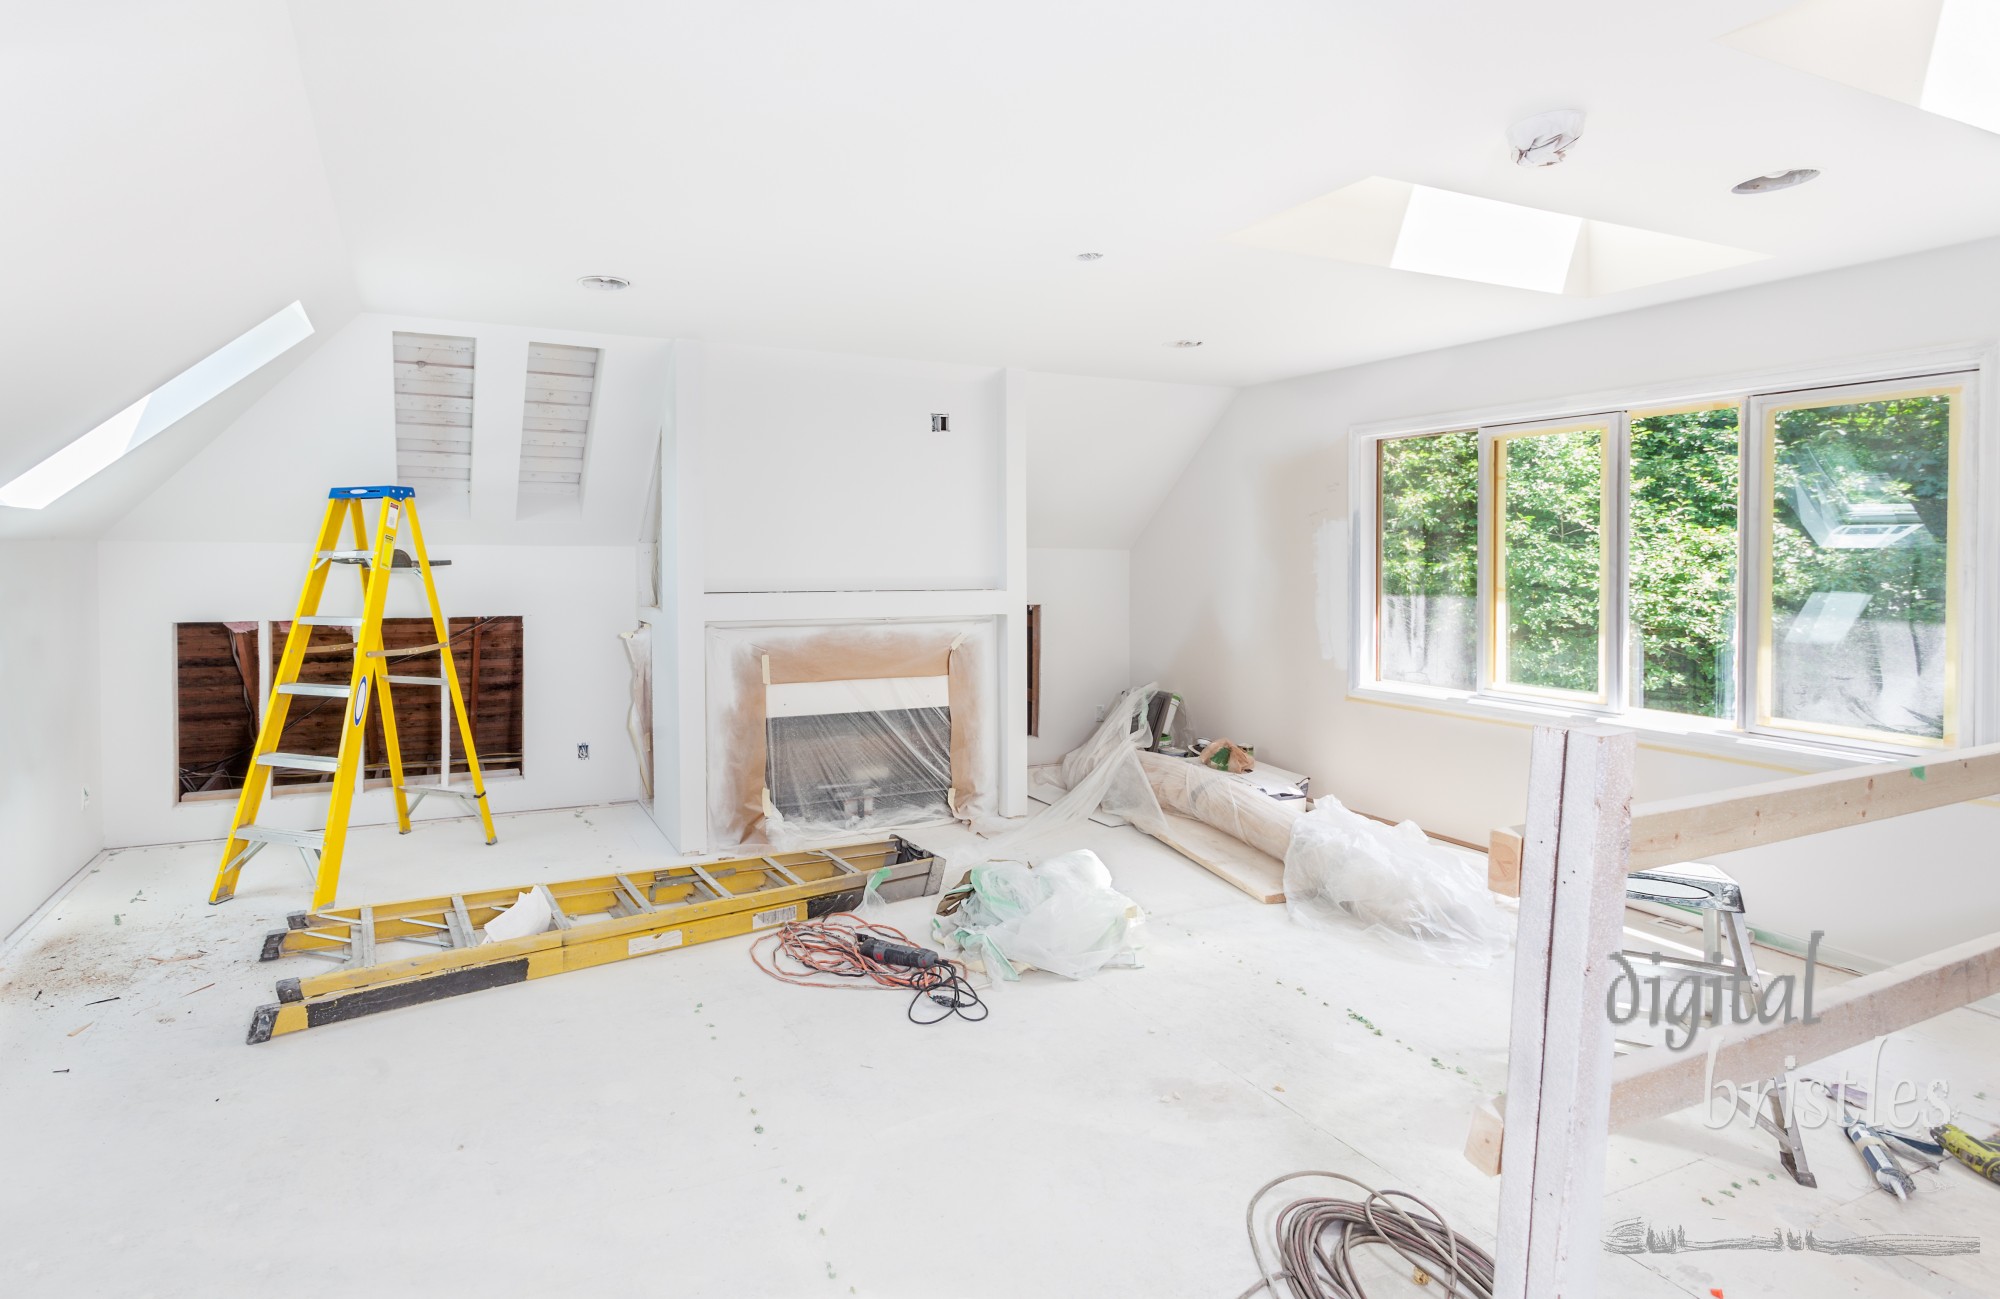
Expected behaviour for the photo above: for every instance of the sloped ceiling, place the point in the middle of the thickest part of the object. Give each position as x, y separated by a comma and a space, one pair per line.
165, 194
1103, 453
887, 177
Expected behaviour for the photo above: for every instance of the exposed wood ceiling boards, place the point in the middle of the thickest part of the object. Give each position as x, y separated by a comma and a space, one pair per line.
555, 421
434, 413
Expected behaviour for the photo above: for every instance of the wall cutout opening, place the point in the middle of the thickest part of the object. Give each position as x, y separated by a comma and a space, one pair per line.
220, 671
433, 374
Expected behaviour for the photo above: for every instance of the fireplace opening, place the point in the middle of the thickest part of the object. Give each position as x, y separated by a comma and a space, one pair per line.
859, 754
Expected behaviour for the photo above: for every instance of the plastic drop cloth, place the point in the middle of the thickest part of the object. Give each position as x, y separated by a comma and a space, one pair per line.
1062, 916
882, 763
1103, 774
1345, 871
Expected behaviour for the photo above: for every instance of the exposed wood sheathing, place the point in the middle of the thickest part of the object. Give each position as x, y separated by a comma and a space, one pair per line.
740, 668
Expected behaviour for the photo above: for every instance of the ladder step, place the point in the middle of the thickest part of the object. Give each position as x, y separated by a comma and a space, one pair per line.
314, 839
410, 681
329, 622
309, 688
446, 791
298, 761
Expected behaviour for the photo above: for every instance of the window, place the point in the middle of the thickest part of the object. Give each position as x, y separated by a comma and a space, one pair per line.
1783, 563
1427, 619
158, 410
220, 668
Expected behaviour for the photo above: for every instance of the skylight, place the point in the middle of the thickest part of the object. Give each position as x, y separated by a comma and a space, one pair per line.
1965, 55
1483, 239
1406, 227
1938, 56
158, 410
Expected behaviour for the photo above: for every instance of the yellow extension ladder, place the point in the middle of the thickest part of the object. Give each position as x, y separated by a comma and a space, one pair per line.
370, 677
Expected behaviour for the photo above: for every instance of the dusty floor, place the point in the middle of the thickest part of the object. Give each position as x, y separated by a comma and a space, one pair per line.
683, 1125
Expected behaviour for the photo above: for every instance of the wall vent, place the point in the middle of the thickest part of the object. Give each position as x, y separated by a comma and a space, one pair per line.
555, 424
434, 415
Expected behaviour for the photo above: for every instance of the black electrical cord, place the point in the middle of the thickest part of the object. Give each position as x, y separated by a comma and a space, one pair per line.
808, 952
1316, 1238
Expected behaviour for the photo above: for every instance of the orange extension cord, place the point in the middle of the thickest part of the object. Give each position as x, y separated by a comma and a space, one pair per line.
810, 953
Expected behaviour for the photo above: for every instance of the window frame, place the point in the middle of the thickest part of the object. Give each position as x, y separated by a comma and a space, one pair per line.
1973, 604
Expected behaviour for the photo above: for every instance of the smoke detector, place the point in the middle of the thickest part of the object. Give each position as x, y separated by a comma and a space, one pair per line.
1546, 138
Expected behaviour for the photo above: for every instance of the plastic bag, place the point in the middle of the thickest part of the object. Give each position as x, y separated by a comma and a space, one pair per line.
1062, 916
1344, 870
530, 914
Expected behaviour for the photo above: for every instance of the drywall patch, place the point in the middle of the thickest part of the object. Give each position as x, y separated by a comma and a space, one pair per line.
1330, 589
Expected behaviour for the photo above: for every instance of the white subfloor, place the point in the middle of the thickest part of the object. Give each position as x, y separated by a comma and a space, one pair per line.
683, 1125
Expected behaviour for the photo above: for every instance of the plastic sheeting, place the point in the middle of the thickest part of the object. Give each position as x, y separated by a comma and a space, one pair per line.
1062, 916
639, 717
1345, 871
1228, 803
870, 754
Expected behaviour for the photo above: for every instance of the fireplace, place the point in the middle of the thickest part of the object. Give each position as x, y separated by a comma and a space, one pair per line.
823, 730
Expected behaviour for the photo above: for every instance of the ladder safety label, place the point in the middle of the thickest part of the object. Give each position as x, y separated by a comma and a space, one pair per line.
784, 915
655, 942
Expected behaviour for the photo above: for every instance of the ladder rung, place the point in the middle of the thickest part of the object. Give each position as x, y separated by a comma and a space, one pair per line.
329, 622
448, 791
299, 761
310, 688
314, 839
413, 681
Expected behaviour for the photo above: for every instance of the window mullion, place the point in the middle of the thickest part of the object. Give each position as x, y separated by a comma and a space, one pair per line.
1616, 602
1489, 515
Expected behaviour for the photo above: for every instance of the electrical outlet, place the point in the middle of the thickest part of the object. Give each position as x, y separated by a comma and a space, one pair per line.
940, 423
583, 753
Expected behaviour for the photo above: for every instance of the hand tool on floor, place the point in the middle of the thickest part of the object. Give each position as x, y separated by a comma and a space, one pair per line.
1875, 1152
370, 675
1982, 1157
591, 921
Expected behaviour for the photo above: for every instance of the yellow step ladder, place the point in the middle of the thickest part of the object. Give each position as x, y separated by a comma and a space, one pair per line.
370, 679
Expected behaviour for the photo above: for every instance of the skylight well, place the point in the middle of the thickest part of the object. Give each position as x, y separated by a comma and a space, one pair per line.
1937, 55
158, 410
1407, 227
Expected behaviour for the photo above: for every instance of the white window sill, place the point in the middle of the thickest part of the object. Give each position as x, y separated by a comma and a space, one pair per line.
1659, 731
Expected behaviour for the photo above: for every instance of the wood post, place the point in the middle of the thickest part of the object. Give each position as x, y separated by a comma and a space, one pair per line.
1576, 843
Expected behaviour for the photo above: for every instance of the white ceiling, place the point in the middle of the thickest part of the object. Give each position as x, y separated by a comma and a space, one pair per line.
911, 178
901, 177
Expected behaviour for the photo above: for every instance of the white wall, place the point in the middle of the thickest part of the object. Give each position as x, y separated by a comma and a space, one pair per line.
573, 600
333, 421
48, 721
1086, 641
823, 474
1230, 612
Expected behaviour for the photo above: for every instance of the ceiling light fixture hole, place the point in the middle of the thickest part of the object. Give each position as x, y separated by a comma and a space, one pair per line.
604, 283
1185, 342
1088, 257
1775, 181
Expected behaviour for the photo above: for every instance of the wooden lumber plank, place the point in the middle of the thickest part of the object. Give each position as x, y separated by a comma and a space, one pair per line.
1561, 1043
1707, 825
1257, 873
1648, 1084
1503, 861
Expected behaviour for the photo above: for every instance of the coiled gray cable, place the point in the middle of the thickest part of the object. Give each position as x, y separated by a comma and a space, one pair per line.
1316, 1238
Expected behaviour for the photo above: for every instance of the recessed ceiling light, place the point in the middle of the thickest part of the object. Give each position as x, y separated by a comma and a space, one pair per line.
1088, 257
1775, 181
1185, 342
605, 283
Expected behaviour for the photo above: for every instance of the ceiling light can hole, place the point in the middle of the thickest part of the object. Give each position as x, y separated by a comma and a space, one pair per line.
1185, 342
1775, 181
604, 283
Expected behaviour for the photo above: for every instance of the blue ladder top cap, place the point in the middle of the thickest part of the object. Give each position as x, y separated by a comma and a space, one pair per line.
371, 493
